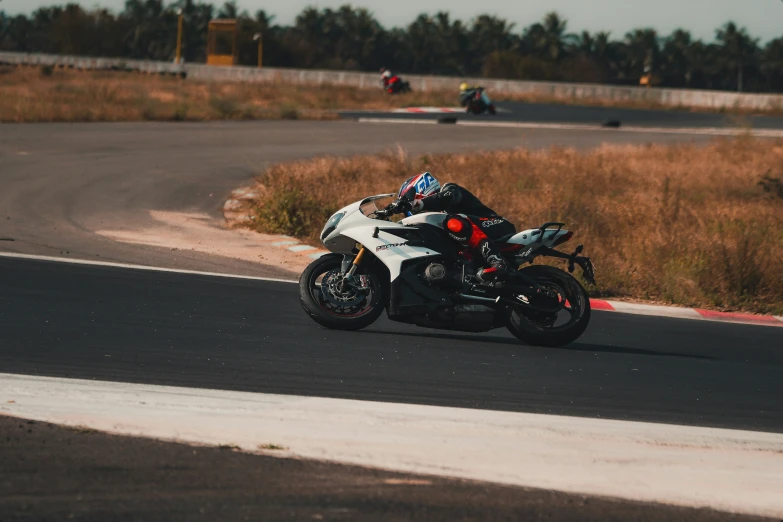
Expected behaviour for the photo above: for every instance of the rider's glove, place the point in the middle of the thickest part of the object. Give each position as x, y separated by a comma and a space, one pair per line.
399, 207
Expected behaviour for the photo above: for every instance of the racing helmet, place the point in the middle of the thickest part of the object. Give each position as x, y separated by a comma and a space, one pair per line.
463, 86
418, 187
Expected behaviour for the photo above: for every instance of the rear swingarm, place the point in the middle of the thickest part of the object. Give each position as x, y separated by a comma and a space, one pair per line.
523, 291
517, 300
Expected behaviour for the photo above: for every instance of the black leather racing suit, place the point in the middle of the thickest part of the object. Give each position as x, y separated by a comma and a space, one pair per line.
472, 224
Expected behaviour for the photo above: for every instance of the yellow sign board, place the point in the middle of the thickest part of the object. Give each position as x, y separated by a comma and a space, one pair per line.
222, 42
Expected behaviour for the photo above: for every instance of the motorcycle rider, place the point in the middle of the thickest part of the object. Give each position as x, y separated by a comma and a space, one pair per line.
386, 75
468, 93
469, 222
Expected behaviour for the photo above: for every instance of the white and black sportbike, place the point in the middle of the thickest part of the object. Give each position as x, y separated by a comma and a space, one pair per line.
420, 276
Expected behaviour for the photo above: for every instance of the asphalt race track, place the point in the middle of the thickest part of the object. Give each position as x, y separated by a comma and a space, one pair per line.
126, 325
552, 113
62, 183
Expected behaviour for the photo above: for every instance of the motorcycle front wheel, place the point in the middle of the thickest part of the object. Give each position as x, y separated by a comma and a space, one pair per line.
339, 305
552, 328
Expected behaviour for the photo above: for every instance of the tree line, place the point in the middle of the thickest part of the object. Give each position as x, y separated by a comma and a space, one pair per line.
351, 38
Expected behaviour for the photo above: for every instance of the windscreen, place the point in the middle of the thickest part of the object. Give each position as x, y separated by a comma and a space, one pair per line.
375, 203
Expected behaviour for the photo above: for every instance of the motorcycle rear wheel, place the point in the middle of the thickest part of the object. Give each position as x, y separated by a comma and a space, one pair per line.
339, 310
539, 329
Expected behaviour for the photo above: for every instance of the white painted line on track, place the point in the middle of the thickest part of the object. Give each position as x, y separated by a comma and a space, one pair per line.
285, 243
300, 248
706, 131
732, 470
656, 310
397, 120
430, 110
12, 255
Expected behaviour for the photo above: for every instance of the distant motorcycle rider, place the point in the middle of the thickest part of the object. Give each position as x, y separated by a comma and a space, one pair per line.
386, 76
467, 93
469, 222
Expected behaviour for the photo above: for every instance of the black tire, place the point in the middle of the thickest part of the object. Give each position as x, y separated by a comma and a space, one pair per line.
320, 314
525, 326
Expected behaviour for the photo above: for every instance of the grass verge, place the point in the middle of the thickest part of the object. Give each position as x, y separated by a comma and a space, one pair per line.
677, 224
46, 94
62, 95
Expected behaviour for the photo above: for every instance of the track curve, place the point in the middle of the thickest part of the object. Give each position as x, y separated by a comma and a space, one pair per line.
63, 182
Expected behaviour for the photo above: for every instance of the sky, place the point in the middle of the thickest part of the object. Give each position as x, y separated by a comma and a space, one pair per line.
762, 18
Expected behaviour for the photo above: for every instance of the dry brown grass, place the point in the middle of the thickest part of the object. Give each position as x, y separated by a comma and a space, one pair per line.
30, 94
683, 224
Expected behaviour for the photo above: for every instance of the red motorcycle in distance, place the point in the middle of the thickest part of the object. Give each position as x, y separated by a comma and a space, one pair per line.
392, 83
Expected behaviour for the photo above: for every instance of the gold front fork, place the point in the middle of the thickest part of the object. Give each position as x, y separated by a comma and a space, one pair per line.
357, 260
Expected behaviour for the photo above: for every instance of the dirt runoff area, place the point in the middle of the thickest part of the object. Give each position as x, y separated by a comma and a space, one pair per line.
202, 233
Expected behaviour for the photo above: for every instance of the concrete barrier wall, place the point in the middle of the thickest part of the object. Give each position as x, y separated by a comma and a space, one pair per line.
570, 91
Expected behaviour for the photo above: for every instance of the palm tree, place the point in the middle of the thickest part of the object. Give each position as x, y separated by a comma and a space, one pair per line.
438, 45
4, 26
677, 58
772, 64
490, 33
489, 36
642, 52
229, 11
585, 43
550, 37
739, 48
151, 32
358, 38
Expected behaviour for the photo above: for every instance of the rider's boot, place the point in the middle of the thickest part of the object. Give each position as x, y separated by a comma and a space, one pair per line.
498, 270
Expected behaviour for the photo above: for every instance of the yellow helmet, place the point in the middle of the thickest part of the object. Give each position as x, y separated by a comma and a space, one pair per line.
463, 86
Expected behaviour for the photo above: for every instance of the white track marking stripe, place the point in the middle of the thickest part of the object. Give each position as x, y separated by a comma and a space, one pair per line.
13, 255
300, 248
732, 470
656, 310
707, 131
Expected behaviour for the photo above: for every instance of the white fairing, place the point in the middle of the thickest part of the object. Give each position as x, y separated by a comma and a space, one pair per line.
430, 218
356, 227
529, 239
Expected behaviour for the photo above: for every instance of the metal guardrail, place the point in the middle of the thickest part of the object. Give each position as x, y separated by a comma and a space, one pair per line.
571, 91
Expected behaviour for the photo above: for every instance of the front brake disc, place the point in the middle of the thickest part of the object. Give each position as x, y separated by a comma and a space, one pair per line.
340, 298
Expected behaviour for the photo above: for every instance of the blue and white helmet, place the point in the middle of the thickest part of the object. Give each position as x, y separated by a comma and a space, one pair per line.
418, 187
